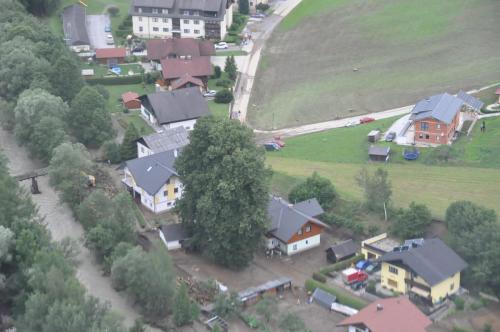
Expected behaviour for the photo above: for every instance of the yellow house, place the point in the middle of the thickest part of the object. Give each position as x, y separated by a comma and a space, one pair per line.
375, 247
429, 270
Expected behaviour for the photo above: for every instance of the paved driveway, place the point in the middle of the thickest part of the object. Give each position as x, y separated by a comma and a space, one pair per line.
95, 30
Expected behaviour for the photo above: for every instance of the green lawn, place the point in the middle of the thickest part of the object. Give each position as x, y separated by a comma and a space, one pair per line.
134, 117
306, 9
115, 92
218, 110
488, 96
213, 81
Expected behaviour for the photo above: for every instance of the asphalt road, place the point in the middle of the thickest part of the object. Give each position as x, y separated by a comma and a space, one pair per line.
95, 30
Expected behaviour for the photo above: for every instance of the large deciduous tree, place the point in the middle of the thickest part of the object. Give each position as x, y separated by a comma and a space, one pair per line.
224, 203
66, 70
413, 222
317, 187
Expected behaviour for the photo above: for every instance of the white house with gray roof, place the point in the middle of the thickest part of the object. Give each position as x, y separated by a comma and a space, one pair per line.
168, 139
153, 181
208, 19
294, 227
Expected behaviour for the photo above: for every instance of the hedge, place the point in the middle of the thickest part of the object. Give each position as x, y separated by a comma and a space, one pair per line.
115, 80
342, 296
341, 265
319, 277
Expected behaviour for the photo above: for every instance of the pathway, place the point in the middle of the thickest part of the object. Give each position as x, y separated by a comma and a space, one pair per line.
61, 224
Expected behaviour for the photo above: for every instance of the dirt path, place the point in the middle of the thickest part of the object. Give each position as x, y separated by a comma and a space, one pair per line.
60, 222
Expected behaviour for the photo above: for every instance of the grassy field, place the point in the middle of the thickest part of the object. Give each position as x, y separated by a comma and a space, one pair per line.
402, 51
339, 154
218, 110
115, 92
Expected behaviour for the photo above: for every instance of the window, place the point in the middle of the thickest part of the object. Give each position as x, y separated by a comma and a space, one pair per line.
452, 286
294, 247
164, 20
196, 13
139, 9
392, 283
155, 29
424, 126
300, 232
197, 32
420, 135
307, 242
165, 29
169, 203
185, 12
165, 193
155, 10
186, 21
176, 190
438, 126
140, 29
427, 136
196, 22
164, 11
140, 18
155, 19
251, 4
308, 228
393, 270
142, 149
186, 30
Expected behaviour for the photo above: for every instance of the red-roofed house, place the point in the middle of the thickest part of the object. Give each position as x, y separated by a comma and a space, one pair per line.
178, 48
186, 81
198, 67
395, 314
110, 56
131, 100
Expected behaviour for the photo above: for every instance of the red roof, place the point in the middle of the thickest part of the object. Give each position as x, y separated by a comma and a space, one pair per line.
196, 67
163, 48
106, 53
497, 91
186, 79
129, 96
396, 315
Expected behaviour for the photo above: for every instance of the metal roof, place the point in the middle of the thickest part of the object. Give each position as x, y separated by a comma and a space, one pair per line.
168, 139
442, 107
254, 291
75, 25
323, 298
472, 102
174, 232
152, 172
379, 150
433, 260
344, 248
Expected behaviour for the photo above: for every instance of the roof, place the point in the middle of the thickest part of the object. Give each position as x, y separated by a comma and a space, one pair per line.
75, 25
287, 219
169, 139
433, 260
396, 314
152, 172
196, 67
323, 298
175, 7
174, 232
442, 107
345, 248
184, 80
177, 47
129, 96
106, 53
175, 106
379, 150
472, 102
254, 291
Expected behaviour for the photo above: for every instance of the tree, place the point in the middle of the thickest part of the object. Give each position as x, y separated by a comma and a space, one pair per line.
413, 222
223, 96
243, 7
224, 203
65, 77
113, 10
6, 244
227, 305
292, 323
89, 119
128, 149
230, 67
377, 189
262, 7
464, 217
138, 326
185, 311
111, 152
48, 134
147, 277
317, 187
217, 72
267, 307
40, 7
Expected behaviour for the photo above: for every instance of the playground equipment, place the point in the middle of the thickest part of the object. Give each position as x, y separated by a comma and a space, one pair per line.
411, 154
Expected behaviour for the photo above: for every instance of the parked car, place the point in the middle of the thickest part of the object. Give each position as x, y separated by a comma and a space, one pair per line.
109, 39
351, 124
374, 267
258, 15
210, 93
366, 119
362, 264
107, 28
390, 137
279, 141
271, 146
221, 46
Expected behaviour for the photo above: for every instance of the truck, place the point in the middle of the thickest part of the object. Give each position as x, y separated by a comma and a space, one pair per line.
353, 276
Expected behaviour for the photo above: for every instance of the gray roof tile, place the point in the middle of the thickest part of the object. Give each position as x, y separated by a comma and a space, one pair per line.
442, 107
344, 248
168, 139
75, 25
174, 232
475, 103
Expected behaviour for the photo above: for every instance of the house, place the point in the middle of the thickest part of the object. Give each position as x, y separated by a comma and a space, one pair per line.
110, 56
207, 19
153, 181
396, 314
341, 251
253, 294
379, 153
199, 67
75, 28
428, 269
187, 81
436, 119
323, 298
131, 100
174, 108
375, 247
294, 227
184, 48
168, 139
173, 235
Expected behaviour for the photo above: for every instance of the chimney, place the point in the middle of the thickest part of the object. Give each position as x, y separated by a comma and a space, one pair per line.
379, 307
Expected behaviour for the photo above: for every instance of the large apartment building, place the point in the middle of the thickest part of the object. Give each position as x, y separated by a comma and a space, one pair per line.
181, 18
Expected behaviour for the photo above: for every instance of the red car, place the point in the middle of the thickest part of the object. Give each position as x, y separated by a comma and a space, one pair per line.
279, 141
366, 119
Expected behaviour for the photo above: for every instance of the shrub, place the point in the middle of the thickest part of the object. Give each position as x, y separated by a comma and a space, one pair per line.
224, 83
459, 303
487, 327
102, 91
342, 296
371, 288
262, 7
341, 265
151, 77
113, 10
223, 96
111, 152
217, 72
131, 58
319, 277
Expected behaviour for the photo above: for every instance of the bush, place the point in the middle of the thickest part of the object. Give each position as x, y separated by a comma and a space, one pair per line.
151, 77
341, 265
319, 277
217, 72
262, 7
252, 321
102, 91
223, 96
111, 152
115, 80
113, 10
131, 58
371, 288
459, 303
342, 296
224, 83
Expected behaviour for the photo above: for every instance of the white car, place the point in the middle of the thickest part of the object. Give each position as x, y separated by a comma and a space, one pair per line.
109, 39
351, 124
210, 93
221, 46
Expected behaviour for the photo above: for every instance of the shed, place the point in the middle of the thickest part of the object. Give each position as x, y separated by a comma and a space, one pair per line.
110, 56
253, 294
323, 298
173, 235
379, 153
131, 100
373, 136
87, 72
341, 251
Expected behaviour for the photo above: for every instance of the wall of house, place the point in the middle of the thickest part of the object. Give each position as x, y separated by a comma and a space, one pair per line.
393, 281
437, 133
143, 151
308, 230
80, 48
147, 115
158, 27
365, 251
165, 197
304, 244
188, 124
192, 28
445, 288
